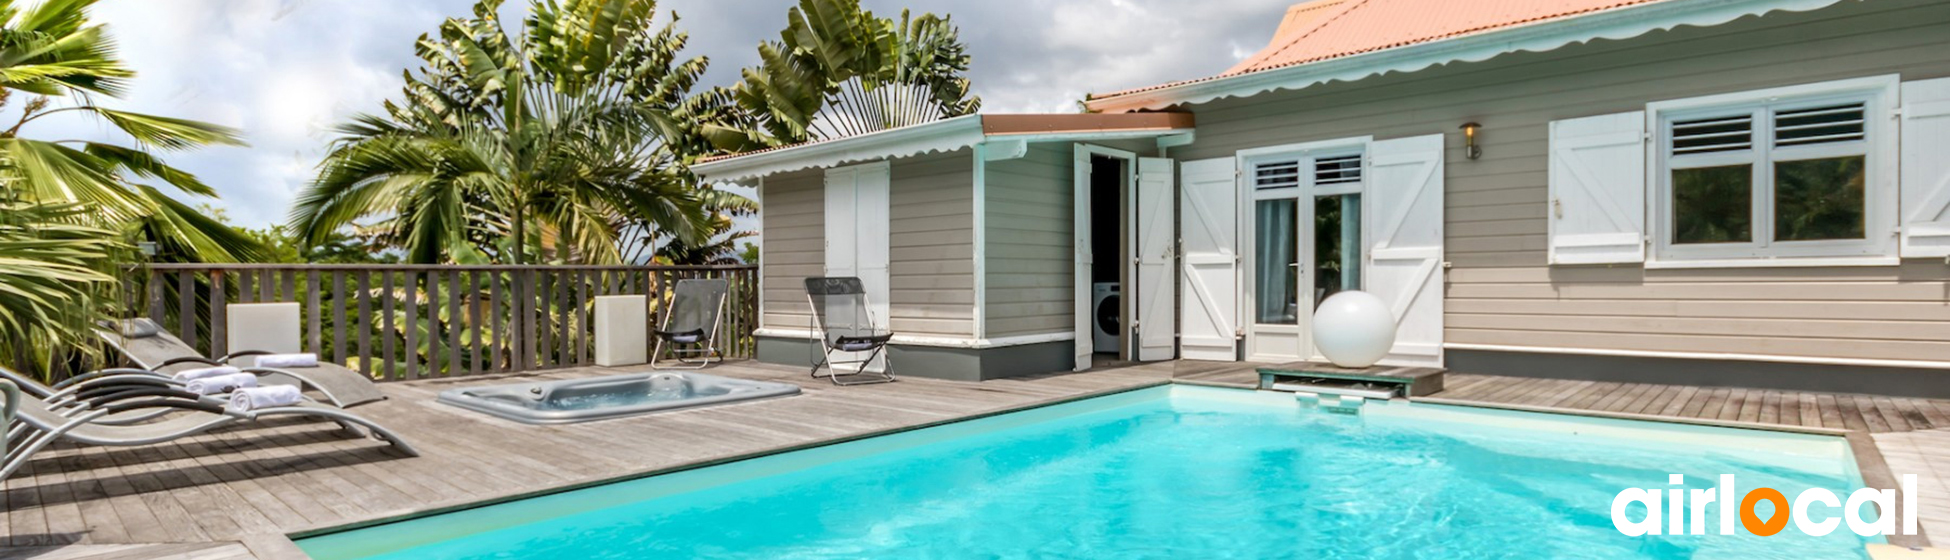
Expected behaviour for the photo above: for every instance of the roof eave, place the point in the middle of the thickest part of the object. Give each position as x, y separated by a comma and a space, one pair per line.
946, 135
1621, 23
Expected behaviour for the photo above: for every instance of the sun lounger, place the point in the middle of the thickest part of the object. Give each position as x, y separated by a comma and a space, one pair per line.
42, 424
157, 350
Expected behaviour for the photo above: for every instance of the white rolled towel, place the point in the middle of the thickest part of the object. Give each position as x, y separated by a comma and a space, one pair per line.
259, 398
221, 384
287, 361
202, 373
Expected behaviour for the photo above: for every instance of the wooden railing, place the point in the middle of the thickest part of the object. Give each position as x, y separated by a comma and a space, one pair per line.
397, 322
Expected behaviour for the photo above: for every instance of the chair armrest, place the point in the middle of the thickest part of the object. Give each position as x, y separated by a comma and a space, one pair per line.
163, 403
111, 385
226, 358
189, 360
126, 394
111, 372
12, 395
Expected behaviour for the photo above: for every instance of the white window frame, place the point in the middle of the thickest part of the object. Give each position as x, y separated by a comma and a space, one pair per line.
1880, 96
1304, 195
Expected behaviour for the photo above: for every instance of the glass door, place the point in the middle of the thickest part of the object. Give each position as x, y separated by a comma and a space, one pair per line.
1306, 245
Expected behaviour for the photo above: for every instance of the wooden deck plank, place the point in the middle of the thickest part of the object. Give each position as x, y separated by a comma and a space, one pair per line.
1892, 414
1613, 395
1770, 408
92, 498
1565, 392
1810, 409
1585, 395
1867, 408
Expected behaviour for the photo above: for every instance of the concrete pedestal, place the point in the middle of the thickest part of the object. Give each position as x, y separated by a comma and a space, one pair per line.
270, 327
622, 331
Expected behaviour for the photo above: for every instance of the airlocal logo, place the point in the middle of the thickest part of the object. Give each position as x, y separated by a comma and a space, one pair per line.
1684, 511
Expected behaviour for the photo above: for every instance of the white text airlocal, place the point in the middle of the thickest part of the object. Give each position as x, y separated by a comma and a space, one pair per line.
1681, 511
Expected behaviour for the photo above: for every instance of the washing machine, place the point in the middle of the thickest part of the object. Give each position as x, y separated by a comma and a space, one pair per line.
1105, 308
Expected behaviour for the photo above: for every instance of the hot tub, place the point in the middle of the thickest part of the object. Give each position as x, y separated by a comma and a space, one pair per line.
601, 398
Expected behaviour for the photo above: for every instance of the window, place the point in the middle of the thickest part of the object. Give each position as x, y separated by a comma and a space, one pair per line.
1792, 173
1306, 229
1337, 245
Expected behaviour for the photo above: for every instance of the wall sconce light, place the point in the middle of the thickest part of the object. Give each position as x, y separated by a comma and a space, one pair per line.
1469, 140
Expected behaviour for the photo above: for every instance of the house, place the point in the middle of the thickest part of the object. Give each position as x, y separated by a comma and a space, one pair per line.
1713, 192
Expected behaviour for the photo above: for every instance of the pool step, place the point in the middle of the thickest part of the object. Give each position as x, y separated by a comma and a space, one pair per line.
1342, 404
1340, 388
1328, 378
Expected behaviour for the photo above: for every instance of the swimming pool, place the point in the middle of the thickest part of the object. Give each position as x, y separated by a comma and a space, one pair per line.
1173, 471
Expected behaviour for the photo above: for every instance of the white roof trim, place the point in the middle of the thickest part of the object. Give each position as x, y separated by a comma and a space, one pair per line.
945, 135
1622, 23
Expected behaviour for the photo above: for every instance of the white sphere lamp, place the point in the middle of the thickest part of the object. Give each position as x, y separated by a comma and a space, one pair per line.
1354, 329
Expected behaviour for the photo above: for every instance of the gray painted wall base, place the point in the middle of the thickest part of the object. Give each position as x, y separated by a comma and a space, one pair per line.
955, 364
1896, 382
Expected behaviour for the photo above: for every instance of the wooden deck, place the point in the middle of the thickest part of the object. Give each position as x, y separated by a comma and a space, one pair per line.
234, 494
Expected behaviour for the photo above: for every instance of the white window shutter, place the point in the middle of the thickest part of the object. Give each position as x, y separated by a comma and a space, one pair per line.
1925, 188
841, 222
1597, 189
1157, 329
857, 238
1208, 218
1404, 214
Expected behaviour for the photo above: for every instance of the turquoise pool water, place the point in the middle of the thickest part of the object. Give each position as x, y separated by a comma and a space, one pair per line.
1170, 472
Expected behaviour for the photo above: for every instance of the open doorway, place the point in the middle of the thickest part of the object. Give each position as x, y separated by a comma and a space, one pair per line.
1107, 240
1104, 293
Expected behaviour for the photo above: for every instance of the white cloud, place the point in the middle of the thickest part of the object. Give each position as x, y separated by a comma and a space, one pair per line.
285, 71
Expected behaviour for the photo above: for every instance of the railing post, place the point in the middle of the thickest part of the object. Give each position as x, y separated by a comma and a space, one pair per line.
389, 324
454, 323
219, 313
314, 310
412, 355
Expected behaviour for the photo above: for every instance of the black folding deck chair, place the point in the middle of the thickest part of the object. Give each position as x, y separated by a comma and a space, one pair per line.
691, 327
843, 323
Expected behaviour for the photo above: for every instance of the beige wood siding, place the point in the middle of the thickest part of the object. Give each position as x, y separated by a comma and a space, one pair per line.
932, 252
792, 246
1031, 272
1501, 292
933, 263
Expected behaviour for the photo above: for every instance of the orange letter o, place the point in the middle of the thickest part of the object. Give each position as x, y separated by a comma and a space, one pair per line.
1751, 520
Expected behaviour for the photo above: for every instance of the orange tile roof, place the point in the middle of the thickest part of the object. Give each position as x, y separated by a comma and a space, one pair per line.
1319, 30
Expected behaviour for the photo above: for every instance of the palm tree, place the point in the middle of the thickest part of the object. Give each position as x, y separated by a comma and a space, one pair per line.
50, 50
556, 143
55, 280
838, 70
721, 247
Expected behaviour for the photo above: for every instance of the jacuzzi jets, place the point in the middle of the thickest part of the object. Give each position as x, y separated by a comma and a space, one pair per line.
581, 400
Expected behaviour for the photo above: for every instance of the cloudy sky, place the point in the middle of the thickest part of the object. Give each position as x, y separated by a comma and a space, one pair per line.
284, 71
